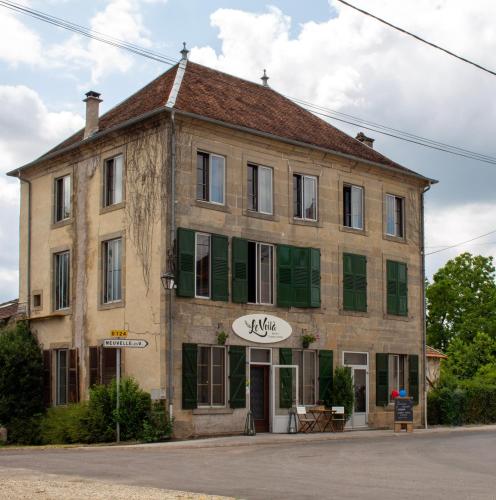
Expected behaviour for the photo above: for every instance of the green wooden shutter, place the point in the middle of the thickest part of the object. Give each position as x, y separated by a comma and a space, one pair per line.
381, 379
237, 377
284, 276
286, 378
402, 289
392, 287
239, 271
301, 276
413, 377
348, 283
325, 376
360, 282
186, 262
314, 277
190, 368
219, 268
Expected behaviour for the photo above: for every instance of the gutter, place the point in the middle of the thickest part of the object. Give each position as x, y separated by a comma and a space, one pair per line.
424, 310
28, 249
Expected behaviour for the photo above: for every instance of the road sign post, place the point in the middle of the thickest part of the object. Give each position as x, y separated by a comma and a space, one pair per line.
119, 341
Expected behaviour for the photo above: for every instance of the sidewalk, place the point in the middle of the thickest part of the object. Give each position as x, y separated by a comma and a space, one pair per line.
273, 439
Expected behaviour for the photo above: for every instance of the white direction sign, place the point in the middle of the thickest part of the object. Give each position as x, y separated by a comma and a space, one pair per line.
125, 343
262, 328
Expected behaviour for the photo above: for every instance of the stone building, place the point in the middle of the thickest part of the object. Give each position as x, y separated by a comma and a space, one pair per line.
277, 228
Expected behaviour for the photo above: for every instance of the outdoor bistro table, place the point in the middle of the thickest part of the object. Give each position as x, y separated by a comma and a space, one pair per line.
323, 418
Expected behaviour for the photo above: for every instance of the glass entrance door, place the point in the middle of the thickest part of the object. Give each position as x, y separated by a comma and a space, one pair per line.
358, 364
284, 393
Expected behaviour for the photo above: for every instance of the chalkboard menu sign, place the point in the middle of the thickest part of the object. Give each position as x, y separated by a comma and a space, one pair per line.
403, 410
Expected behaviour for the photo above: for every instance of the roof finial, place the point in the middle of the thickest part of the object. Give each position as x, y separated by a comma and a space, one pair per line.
184, 53
265, 79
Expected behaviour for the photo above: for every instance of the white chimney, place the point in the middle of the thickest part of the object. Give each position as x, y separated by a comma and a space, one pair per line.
92, 113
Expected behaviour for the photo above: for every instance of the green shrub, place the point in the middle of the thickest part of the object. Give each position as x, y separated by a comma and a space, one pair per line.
65, 424
343, 393
100, 421
21, 383
433, 408
158, 426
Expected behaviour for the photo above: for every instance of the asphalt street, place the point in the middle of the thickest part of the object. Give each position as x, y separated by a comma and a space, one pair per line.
447, 465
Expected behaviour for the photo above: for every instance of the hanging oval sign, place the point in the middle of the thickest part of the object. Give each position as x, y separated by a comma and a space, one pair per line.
262, 328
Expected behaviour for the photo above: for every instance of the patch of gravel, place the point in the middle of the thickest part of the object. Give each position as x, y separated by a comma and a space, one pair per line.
17, 484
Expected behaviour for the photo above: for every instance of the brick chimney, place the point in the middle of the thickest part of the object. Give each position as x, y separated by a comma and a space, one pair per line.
368, 141
92, 106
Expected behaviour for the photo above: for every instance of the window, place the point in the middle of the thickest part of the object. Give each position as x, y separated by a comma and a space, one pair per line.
260, 189
62, 376
260, 273
112, 271
62, 198
397, 288
37, 300
210, 177
202, 265
353, 207
112, 182
211, 376
394, 215
397, 373
306, 362
62, 280
304, 197
354, 282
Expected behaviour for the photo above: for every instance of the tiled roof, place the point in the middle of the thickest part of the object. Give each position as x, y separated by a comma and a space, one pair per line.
8, 309
211, 94
434, 353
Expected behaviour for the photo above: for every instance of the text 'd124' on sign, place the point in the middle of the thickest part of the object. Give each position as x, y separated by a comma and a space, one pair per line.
125, 343
262, 328
119, 333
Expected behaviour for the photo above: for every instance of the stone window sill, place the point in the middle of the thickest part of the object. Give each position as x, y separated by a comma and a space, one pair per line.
396, 239
397, 318
258, 215
346, 229
360, 314
212, 206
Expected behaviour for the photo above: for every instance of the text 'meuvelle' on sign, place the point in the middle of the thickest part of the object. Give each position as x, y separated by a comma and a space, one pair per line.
125, 343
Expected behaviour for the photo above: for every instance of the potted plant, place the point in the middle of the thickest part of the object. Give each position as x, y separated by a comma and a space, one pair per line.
222, 337
343, 394
307, 339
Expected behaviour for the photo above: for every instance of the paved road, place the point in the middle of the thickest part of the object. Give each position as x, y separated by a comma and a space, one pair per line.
448, 465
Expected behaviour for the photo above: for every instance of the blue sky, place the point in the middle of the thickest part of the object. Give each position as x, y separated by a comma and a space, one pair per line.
320, 51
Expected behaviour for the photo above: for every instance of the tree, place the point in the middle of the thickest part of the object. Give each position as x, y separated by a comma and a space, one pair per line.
343, 393
21, 379
461, 301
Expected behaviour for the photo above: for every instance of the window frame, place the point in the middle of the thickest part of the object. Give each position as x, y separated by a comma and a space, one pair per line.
258, 245
56, 279
392, 360
257, 168
56, 191
58, 401
353, 187
303, 178
395, 221
301, 386
210, 375
104, 278
200, 233
105, 197
209, 175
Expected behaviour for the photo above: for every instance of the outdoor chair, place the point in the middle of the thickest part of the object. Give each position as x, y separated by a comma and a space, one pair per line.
338, 418
307, 423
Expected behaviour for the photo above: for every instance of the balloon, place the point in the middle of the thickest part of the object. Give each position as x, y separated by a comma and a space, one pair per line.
394, 394
402, 393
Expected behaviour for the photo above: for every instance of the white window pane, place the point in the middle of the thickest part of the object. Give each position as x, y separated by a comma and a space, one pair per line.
310, 197
217, 170
308, 377
202, 265
67, 197
265, 274
265, 189
390, 212
357, 207
117, 179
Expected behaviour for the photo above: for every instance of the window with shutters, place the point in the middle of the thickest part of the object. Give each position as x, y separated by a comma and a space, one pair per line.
202, 265
260, 273
113, 181
304, 197
395, 216
259, 187
354, 282
398, 370
353, 206
210, 177
397, 288
62, 204
307, 375
61, 279
211, 375
112, 271
62, 376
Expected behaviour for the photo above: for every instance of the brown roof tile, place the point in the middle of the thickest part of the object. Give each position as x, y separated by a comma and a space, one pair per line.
8, 309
